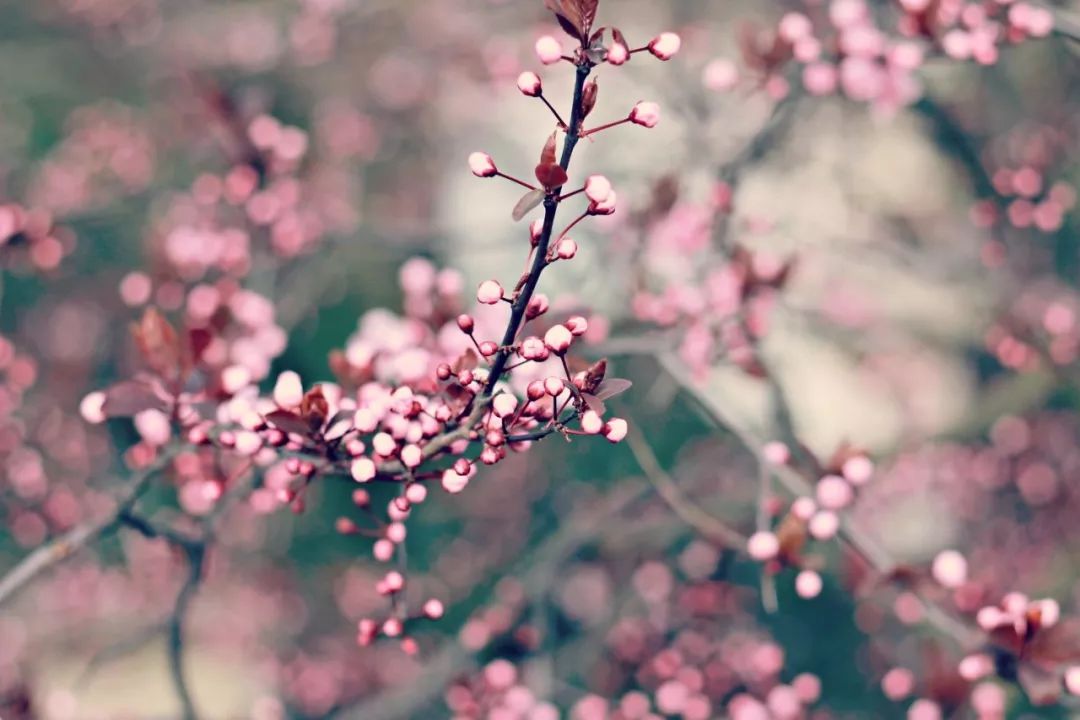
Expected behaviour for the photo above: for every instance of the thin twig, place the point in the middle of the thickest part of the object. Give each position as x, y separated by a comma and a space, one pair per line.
855, 538
66, 545
668, 490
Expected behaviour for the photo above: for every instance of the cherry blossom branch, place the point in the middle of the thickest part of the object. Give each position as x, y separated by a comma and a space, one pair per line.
65, 546
551, 206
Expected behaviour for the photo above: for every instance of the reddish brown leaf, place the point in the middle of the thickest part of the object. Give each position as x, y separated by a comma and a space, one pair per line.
467, 361
130, 397
287, 422
569, 16
547, 155
1059, 643
198, 340
792, 536
588, 97
594, 375
158, 343
587, 9
551, 175
314, 408
619, 37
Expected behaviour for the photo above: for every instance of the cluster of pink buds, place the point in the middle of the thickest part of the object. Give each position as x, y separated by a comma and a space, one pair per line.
872, 57
28, 239
807, 518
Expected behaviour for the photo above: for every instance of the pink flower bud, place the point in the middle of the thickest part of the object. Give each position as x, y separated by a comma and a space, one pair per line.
489, 293
488, 348
591, 422
383, 444
536, 228
776, 453
392, 627
535, 390
411, 455
395, 532
1072, 679
950, 569
607, 207
558, 339
824, 525
577, 325
383, 550
549, 50
808, 584
433, 609
466, 323
834, 492
362, 469
898, 683
566, 248
803, 508
763, 546
529, 84
533, 348
482, 165
615, 430
858, 469
646, 114
453, 482
504, 405
597, 188
665, 45
720, 75
416, 493
618, 53
554, 386
975, 667
538, 305
91, 408
288, 391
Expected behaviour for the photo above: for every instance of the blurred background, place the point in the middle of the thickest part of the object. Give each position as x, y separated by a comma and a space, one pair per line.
925, 320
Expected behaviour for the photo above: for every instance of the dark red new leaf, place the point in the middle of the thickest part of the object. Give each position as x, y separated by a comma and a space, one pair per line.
587, 8
588, 97
287, 422
547, 155
551, 175
131, 397
569, 17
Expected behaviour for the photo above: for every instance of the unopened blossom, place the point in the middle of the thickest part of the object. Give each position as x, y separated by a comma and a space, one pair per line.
763, 546
529, 84
482, 165
558, 339
665, 45
548, 49
489, 292
646, 114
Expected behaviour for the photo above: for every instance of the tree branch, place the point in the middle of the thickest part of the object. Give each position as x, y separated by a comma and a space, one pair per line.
66, 545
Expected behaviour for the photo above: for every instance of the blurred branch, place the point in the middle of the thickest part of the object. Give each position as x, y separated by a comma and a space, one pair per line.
63, 547
195, 549
860, 542
196, 556
668, 490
